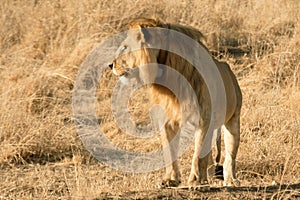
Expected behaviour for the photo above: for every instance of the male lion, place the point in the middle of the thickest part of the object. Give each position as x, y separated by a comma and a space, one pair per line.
126, 60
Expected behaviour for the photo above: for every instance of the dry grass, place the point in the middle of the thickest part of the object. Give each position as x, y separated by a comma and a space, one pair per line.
43, 43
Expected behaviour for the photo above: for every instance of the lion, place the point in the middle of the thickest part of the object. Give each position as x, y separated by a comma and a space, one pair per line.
126, 60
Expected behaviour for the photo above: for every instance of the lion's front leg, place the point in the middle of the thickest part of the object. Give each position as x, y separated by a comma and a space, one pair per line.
170, 142
198, 175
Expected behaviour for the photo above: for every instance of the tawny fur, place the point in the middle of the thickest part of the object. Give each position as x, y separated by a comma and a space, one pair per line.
160, 95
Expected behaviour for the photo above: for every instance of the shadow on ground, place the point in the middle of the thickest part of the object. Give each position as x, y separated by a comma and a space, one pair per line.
285, 191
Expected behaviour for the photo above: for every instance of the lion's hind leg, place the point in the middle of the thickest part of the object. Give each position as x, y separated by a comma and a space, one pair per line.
231, 140
219, 167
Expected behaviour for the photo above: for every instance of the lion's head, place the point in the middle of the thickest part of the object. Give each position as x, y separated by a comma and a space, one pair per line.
136, 50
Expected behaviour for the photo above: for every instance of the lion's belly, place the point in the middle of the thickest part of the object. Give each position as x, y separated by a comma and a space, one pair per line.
165, 98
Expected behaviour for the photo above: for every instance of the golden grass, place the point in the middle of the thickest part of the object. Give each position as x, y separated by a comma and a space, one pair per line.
43, 43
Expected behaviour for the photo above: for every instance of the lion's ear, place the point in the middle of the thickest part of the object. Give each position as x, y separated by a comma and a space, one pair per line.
146, 34
143, 35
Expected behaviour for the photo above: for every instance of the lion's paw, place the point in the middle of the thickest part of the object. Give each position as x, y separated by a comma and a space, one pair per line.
168, 183
232, 183
202, 186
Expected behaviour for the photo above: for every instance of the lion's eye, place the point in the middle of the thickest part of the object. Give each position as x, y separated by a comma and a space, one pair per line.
124, 48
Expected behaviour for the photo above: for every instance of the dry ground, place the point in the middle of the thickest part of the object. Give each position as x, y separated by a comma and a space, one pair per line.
43, 43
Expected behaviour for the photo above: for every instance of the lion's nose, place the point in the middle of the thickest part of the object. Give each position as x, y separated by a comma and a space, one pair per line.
111, 65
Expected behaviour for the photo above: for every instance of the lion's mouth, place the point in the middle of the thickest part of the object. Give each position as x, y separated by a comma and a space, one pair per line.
124, 78
124, 74
130, 77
